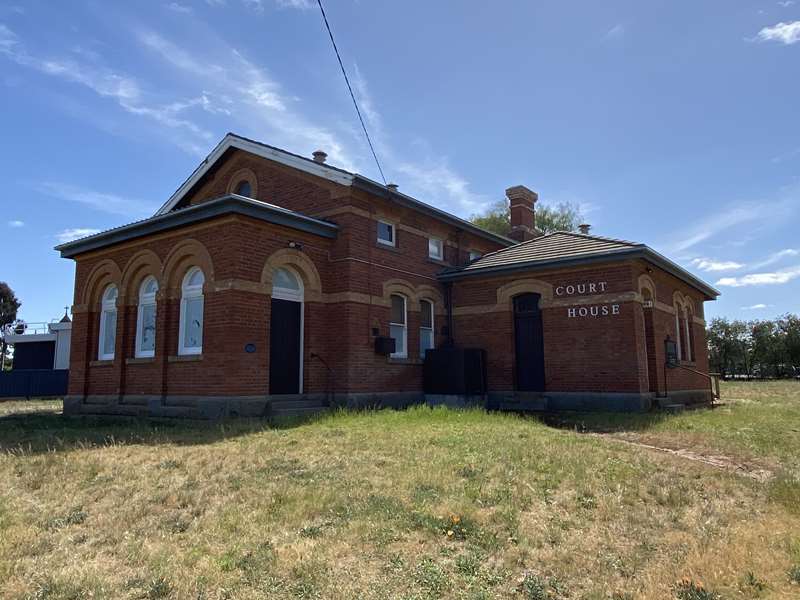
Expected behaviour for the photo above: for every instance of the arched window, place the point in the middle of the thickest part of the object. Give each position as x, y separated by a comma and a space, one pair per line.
191, 323
678, 332
146, 319
426, 331
108, 324
398, 328
687, 327
286, 285
243, 188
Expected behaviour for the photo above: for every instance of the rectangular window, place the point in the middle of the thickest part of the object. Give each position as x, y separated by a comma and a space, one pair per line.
386, 233
426, 339
436, 249
397, 326
474, 255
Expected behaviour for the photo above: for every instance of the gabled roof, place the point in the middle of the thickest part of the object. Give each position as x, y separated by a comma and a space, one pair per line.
565, 248
325, 171
230, 204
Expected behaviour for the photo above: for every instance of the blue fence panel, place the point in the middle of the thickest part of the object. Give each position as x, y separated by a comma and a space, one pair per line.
33, 383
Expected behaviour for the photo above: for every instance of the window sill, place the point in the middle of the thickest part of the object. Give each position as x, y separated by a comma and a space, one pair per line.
106, 362
404, 361
140, 360
438, 261
185, 358
388, 247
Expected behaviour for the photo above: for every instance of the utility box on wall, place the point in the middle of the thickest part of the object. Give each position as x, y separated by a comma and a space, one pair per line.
459, 371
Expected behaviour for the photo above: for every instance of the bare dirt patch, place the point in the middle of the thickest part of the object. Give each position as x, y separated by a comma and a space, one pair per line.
749, 469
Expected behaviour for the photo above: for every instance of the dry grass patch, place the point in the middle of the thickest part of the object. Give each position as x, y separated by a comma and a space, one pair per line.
415, 504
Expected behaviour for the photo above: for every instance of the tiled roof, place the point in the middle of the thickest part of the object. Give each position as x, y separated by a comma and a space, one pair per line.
564, 248
553, 246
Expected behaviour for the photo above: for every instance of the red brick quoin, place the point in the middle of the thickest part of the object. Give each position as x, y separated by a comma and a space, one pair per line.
603, 308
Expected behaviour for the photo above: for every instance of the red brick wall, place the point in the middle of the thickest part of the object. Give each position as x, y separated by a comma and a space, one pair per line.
582, 354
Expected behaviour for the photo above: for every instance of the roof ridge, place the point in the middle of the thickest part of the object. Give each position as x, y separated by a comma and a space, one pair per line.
600, 237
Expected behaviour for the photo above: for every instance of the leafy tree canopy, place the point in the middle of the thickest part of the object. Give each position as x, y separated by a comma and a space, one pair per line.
9, 305
497, 219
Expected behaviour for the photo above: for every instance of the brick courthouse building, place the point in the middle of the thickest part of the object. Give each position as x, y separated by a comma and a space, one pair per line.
270, 281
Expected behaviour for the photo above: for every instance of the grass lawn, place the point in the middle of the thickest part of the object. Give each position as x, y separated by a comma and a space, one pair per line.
414, 504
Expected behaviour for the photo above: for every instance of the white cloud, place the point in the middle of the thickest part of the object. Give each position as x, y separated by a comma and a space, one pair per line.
431, 178
786, 33
16, 223
786, 3
102, 201
67, 235
771, 278
719, 222
179, 8
756, 306
107, 83
301, 4
616, 31
708, 264
261, 104
775, 257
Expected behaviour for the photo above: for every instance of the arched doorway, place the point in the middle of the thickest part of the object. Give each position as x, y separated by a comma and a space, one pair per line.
528, 343
286, 333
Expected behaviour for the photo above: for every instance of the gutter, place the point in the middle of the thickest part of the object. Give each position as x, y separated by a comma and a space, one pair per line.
230, 204
368, 185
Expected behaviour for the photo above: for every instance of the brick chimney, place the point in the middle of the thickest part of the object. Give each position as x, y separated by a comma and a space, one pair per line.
523, 217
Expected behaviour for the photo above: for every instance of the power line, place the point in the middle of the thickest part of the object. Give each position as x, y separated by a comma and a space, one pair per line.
352, 95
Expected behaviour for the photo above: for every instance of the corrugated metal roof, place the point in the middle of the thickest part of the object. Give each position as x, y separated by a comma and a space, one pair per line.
553, 246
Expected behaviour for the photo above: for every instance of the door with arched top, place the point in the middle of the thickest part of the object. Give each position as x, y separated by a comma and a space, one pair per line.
286, 333
528, 343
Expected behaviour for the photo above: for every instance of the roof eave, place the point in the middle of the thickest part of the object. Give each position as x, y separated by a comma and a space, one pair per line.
229, 204
367, 184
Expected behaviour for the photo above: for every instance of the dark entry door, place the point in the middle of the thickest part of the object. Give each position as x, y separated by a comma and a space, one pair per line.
284, 347
529, 343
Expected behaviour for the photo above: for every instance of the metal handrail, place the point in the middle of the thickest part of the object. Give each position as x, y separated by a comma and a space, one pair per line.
713, 378
25, 328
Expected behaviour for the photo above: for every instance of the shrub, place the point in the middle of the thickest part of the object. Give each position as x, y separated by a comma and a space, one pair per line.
794, 574
686, 589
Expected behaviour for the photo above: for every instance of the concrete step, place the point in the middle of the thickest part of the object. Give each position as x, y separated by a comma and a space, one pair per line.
673, 408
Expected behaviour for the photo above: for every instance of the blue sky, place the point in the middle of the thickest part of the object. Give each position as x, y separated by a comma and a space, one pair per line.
670, 123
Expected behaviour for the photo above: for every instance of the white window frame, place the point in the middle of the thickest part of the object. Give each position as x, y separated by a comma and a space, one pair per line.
404, 325
145, 300
432, 328
687, 335
438, 244
191, 292
678, 334
393, 242
107, 306
280, 293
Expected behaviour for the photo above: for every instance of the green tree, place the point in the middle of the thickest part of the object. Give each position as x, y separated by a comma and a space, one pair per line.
9, 305
497, 218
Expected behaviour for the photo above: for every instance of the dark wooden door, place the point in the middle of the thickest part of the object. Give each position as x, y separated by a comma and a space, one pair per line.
284, 347
529, 343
